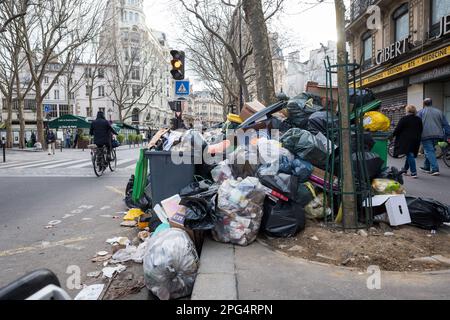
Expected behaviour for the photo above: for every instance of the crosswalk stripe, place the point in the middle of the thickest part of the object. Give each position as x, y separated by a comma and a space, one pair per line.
68, 162
8, 163
124, 161
88, 162
133, 166
41, 164
24, 163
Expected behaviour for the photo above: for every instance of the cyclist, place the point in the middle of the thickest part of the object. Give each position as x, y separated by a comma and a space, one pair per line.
102, 131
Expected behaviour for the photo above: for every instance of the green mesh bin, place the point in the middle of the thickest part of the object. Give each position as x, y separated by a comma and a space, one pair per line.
381, 145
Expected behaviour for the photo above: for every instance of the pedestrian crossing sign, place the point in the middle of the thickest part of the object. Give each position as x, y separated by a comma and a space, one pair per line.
182, 87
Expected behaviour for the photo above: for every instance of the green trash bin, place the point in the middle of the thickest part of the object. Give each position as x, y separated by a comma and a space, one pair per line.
381, 145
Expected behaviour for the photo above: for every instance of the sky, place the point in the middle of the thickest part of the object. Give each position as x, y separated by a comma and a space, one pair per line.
302, 24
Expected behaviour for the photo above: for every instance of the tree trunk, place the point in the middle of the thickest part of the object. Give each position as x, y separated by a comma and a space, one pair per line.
9, 134
40, 120
21, 124
261, 51
348, 198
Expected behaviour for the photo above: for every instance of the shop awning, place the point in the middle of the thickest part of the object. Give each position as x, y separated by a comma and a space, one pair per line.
125, 126
69, 121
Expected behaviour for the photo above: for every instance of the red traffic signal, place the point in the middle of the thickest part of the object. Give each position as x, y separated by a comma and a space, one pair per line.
177, 63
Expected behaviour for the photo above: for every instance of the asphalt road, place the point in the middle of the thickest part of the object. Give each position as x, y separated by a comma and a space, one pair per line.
82, 209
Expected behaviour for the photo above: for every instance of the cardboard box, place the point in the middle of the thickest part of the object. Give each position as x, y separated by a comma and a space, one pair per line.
250, 108
319, 173
396, 208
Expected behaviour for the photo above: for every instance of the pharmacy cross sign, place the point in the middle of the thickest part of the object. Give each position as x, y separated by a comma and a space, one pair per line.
182, 87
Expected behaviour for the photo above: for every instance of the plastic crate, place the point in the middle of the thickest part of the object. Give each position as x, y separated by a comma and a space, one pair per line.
166, 177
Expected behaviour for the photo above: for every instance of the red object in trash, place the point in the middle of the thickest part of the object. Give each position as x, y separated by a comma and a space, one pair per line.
275, 194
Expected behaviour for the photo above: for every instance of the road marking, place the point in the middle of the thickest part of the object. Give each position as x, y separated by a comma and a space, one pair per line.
124, 161
23, 163
133, 166
86, 219
43, 245
40, 164
113, 189
63, 164
76, 211
105, 207
8, 162
86, 207
106, 216
85, 164
54, 222
67, 216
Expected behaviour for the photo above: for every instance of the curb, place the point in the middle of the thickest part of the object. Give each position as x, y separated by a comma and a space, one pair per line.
216, 278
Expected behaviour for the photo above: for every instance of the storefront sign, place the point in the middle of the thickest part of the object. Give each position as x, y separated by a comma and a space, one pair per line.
444, 28
430, 75
409, 65
393, 51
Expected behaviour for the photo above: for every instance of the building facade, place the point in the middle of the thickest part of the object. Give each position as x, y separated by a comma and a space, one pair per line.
202, 108
313, 70
404, 50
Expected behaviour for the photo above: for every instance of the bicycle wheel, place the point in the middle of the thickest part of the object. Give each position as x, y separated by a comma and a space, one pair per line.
97, 168
113, 162
446, 157
391, 147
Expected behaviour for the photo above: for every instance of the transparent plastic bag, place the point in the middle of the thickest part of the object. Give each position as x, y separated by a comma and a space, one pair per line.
387, 186
221, 172
239, 211
170, 264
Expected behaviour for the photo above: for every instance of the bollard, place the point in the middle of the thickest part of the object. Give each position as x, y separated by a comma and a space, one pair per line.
4, 151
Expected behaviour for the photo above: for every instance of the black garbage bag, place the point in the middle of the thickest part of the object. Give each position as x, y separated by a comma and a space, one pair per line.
427, 213
374, 164
200, 214
300, 108
360, 97
300, 168
317, 100
284, 183
320, 121
304, 194
367, 140
392, 173
306, 146
195, 188
282, 219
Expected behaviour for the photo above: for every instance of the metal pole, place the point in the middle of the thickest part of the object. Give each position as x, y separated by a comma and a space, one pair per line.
4, 151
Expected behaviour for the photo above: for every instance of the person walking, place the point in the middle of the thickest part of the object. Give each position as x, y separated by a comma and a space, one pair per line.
33, 138
408, 134
68, 136
51, 141
75, 140
435, 129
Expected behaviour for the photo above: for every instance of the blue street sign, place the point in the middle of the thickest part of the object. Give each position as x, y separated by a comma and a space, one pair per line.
182, 87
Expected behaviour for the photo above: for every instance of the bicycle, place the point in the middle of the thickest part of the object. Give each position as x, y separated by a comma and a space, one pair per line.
446, 153
101, 160
391, 147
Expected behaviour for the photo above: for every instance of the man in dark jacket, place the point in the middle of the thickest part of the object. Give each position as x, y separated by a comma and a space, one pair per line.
435, 128
102, 131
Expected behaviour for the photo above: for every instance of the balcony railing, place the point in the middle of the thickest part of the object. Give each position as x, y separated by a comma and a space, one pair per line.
357, 9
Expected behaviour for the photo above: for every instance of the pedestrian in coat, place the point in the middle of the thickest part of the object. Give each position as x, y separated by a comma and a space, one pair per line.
51, 142
435, 129
407, 135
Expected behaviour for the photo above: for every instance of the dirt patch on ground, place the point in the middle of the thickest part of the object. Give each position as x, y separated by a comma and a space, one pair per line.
391, 252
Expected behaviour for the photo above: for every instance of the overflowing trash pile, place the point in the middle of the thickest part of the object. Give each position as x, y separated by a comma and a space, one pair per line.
263, 171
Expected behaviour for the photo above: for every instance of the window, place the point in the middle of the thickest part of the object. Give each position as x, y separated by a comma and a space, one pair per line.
367, 49
135, 54
46, 80
130, 16
438, 9
401, 22
52, 110
88, 90
136, 91
101, 91
135, 73
56, 94
88, 112
101, 110
136, 17
101, 73
71, 95
135, 115
64, 109
126, 54
88, 72
56, 81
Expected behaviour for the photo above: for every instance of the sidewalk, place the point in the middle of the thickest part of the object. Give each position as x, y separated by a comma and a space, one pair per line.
230, 272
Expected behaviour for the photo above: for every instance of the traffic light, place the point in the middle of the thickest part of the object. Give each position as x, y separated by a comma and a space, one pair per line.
177, 64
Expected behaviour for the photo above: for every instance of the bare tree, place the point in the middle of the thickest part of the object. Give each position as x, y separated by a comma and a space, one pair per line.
136, 76
262, 53
11, 14
50, 36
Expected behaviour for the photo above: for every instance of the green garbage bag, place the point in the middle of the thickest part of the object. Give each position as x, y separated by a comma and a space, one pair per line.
306, 146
